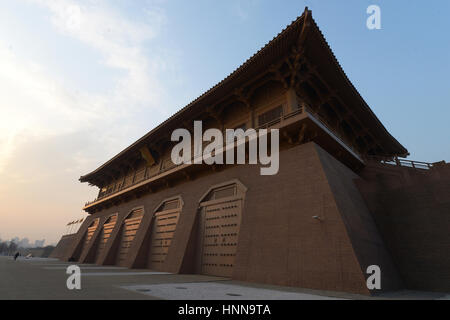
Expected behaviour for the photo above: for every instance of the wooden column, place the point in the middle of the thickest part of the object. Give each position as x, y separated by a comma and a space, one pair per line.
291, 98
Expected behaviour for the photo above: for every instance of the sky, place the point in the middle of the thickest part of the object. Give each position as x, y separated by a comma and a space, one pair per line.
82, 80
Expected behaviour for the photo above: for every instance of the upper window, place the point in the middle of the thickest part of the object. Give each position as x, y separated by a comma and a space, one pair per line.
170, 205
136, 213
269, 116
221, 192
94, 223
227, 190
111, 219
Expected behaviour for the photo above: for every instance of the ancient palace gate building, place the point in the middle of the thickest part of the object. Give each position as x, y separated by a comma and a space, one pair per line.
341, 201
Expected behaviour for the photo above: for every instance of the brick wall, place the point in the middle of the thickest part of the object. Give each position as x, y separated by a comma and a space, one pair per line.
412, 211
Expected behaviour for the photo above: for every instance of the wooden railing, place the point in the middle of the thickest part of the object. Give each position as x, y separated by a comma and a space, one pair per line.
281, 118
399, 162
123, 186
302, 109
318, 118
333, 131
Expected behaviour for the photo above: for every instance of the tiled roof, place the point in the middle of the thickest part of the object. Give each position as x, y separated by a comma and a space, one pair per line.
263, 58
270, 51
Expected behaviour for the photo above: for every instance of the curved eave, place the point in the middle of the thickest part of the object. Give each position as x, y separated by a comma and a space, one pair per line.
252, 66
263, 58
377, 127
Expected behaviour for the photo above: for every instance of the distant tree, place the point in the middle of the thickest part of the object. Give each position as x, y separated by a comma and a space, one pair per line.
12, 247
3, 247
39, 243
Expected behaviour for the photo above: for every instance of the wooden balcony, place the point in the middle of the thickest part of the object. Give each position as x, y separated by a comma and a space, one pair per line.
290, 123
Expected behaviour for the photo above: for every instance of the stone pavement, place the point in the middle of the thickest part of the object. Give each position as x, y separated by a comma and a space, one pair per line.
45, 279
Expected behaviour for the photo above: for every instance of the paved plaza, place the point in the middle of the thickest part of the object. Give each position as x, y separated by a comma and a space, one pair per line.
38, 278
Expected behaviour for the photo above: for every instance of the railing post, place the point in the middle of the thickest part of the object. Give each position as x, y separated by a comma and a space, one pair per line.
134, 177
145, 173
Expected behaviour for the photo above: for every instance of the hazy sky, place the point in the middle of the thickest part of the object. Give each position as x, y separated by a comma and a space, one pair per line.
81, 80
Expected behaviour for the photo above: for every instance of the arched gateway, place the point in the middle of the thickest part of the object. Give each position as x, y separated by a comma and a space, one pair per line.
220, 212
165, 220
129, 229
108, 227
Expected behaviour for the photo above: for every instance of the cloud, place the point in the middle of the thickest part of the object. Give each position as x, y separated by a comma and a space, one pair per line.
118, 39
242, 8
40, 102
240, 11
52, 131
